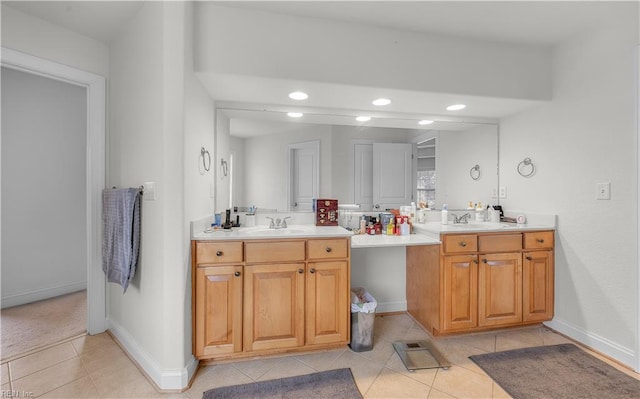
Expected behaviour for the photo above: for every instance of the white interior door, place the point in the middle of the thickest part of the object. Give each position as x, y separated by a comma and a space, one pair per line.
305, 175
392, 175
363, 176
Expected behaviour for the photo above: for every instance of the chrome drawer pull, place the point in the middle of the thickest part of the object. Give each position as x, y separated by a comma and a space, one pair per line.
540, 240
328, 249
300, 271
219, 253
312, 270
463, 244
237, 274
529, 258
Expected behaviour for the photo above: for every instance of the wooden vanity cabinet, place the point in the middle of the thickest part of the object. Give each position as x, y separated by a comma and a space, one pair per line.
217, 289
486, 280
293, 294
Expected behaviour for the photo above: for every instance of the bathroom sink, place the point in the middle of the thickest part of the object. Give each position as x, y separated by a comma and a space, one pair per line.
274, 232
477, 226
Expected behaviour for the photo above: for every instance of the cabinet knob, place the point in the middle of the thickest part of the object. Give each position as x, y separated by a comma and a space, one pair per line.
312, 270
463, 244
237, 274
475, 261
328, 249
300, 271
540, 240
529, 258
377, 206
484, 260
219, 253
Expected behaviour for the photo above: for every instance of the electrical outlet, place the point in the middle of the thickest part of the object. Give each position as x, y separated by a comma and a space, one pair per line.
503, 192
149, 191
603, 191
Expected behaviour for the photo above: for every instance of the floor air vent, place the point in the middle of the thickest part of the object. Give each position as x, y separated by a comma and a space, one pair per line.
418, 355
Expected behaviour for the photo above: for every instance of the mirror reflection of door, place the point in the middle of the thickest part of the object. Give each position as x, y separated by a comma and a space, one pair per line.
392, 175
304, 172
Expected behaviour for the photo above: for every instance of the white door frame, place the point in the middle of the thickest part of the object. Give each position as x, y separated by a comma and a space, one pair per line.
96, 133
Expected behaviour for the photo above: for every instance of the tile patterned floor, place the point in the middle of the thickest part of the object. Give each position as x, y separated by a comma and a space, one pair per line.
96, 367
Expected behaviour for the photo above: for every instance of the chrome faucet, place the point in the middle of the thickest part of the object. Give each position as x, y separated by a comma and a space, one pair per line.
462, 219
278, 223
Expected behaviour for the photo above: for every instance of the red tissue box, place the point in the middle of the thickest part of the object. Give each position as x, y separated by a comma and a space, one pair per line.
326, 212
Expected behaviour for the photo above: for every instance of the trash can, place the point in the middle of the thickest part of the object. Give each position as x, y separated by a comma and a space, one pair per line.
363, 314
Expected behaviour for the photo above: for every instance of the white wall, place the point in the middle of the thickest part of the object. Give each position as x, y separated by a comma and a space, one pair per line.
263, 45
37, 37
44, 124
147, 144
266, 165
456, 154
586, 135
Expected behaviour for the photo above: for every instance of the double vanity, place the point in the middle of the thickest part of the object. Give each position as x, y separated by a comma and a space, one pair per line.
260, 291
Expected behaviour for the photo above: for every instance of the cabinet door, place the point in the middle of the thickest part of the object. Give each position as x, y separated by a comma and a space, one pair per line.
327, 310
218, 307
460, 292
538, 285
500, 289
274, 306
363, 176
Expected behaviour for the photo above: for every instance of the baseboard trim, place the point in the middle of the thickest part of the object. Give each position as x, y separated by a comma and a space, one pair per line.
173, 379
390, 307
39, 295
607, 347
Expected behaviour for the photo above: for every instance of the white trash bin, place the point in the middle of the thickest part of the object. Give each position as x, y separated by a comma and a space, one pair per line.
363, 314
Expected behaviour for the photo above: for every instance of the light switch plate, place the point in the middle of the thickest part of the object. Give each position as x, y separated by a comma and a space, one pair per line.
604, 191
503, 192
494, 193
149, 191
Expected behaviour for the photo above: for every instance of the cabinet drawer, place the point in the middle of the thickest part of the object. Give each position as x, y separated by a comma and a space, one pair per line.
538, 240
218, 252
274, 251
327, 249
460, 243
500, 243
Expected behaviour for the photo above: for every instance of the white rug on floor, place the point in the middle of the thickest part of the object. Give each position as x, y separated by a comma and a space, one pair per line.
39, 324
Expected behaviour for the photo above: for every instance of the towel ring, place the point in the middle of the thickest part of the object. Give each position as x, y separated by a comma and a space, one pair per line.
524, 163
206, 163
475, 172
225, 167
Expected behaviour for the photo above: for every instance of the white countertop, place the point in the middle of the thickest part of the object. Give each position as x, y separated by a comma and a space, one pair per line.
264, 232
368, 241
479, 227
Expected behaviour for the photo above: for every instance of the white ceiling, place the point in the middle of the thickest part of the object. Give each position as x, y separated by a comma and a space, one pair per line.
543, 23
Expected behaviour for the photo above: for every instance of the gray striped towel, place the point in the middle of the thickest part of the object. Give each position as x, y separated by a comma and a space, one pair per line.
121, 234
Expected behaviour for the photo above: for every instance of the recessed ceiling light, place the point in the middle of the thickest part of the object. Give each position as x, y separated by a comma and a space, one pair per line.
425, 122
363, 118
294, 114
456, 107
298, 95
381, 101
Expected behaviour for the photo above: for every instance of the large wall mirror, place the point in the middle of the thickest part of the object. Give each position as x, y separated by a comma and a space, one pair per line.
281, 162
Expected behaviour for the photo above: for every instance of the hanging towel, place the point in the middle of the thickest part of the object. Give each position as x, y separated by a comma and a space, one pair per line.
121, 238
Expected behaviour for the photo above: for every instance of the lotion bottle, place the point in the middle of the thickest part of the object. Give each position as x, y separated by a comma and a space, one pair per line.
445, 214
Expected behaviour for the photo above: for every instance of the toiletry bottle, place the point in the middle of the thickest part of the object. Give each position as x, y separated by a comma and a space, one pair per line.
479, 213
363, 225
445, 214
391, 226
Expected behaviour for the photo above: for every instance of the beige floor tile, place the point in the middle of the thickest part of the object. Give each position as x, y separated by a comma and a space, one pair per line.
550, 337
458, 354
123, 381
87, 343
364, 370
460, 382
425, 376
322, 361
415, 333
6, 387
210, 377
382, 350
108, 356
54, 377
435, 394
390, 384
286, 367
519, 338
41, 360
256, 368
78, 389
4, 373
